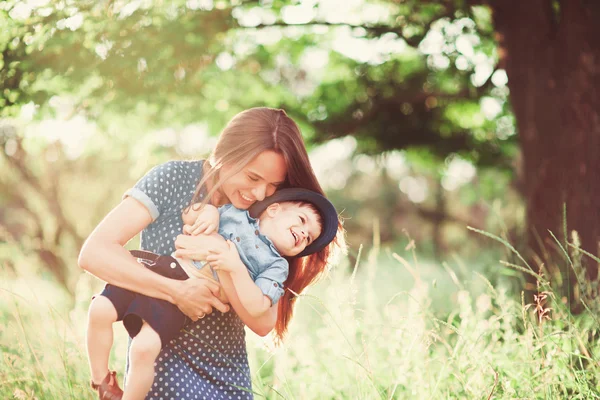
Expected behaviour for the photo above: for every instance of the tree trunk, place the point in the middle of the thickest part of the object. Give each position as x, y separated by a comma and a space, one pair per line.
551, 53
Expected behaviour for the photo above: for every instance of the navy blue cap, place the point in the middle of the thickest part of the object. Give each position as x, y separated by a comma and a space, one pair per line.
329, 216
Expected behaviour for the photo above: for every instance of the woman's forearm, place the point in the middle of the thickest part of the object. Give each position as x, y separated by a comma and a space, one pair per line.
112, 263
250, 295
260, 325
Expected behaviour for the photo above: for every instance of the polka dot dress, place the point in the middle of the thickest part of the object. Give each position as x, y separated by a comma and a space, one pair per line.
208, 359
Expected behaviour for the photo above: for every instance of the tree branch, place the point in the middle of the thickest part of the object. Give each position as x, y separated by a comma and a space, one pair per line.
377, 30
51, 199
373, 30
45, 249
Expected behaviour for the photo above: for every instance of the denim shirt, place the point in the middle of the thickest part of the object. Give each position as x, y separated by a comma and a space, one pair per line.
267, 268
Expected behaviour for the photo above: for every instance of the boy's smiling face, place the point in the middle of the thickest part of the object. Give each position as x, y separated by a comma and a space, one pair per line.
290, 226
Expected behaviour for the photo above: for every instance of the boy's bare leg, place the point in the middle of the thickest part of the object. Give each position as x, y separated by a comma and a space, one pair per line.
101, 317
144, 349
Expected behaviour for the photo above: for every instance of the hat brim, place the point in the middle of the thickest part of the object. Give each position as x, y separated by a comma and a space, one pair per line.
327, 211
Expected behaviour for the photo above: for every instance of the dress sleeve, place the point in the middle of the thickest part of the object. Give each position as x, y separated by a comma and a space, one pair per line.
270, 281
155, 189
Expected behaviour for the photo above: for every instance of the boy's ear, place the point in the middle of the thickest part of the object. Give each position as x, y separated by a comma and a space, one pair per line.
273, 209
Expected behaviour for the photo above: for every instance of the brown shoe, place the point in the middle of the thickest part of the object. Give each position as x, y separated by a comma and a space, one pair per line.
109, 388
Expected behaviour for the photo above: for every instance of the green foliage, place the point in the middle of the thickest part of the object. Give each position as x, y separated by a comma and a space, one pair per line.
173, 63
138, 75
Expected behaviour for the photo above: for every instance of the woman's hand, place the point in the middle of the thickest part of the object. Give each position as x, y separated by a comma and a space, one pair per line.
197, 297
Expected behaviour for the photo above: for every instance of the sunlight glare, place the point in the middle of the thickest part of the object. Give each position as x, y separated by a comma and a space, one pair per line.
458, 173
300, 14
415, 188
332, 162
500, 79
314, 58
490, 107
21, 11
396, 164
225, 61
206, 5
194, 140
483, 70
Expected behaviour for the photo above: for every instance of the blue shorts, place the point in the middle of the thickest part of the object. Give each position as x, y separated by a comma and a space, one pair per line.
134, 308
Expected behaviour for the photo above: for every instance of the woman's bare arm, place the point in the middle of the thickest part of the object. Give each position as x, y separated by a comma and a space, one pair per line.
103, 256
260, 325
196, 248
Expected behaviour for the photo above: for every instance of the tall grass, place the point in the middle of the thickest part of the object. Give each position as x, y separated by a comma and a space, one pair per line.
391, 327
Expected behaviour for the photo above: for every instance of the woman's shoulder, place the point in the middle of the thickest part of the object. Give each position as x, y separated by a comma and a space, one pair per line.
182, 166
180, 170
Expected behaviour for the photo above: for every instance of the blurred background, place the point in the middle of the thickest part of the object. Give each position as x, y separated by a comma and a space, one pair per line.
422, 118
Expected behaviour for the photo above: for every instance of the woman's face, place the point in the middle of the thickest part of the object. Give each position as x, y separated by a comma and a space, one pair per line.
257, 180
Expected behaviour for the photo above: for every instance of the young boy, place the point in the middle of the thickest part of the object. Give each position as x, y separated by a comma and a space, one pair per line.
291, 223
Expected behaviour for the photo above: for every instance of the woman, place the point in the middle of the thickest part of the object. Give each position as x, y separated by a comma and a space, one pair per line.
259, 151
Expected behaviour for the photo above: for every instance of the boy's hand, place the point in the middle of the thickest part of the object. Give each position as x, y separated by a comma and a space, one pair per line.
206, 223
227, 260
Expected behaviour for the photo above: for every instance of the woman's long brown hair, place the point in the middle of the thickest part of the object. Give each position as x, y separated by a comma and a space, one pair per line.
247, 135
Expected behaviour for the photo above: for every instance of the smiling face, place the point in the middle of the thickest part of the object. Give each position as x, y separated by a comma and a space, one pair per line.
255, 181
290, 226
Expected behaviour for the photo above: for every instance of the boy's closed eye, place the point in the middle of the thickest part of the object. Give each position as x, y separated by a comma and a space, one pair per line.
303, 220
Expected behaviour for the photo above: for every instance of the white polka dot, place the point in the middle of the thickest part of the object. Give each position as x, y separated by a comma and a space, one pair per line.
184, 360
